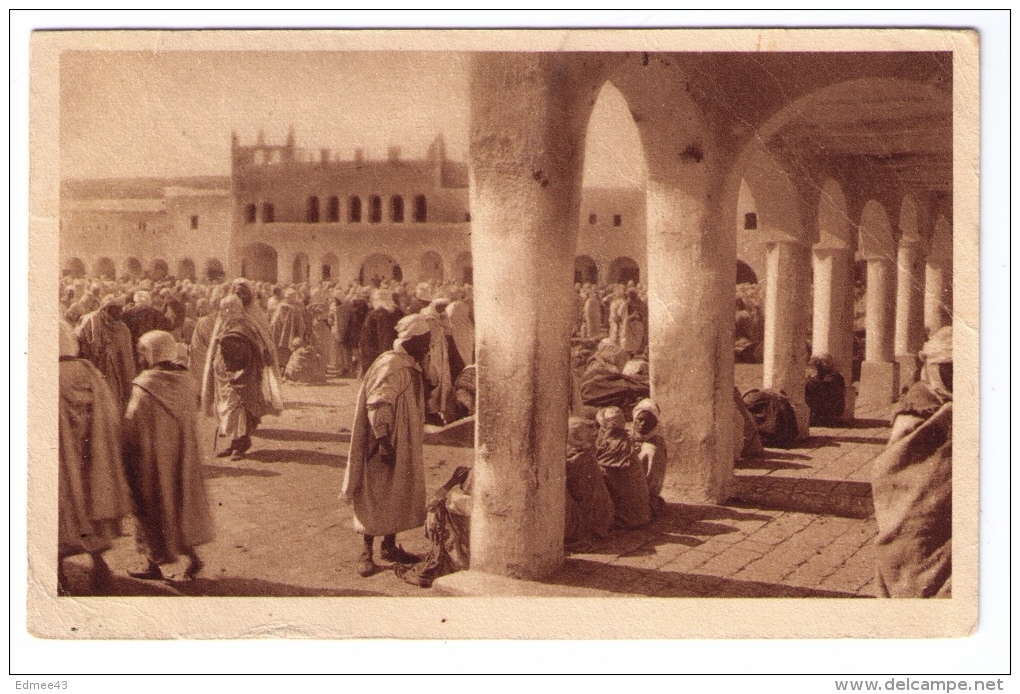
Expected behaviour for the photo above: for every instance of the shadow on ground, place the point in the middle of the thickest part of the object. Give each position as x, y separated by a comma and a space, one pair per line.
301, 456
211, 472
629, 580
124, 586
300, 435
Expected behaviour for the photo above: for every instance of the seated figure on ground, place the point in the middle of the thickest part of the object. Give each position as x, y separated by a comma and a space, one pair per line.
306, 364
825, 392
651, 451
589, 507
624, 474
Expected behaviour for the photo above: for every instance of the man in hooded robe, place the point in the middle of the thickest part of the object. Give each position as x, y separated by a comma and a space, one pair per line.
320, 336
591, 322
651, 451
290, 320
201, 336
912, 483
106, 342
91, 488
624, 474
339, 315
306, 364
380, 327
825, 392
141, 317
385, 475
589, 506
440, 404
618, 315
162, 461
233, 387
462, 328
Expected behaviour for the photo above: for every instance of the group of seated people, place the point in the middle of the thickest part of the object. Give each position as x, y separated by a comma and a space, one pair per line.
614, 477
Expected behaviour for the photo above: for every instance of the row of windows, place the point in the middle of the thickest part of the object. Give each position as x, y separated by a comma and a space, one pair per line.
354, 213
617, 219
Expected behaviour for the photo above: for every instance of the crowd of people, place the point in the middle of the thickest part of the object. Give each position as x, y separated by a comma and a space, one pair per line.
140, 359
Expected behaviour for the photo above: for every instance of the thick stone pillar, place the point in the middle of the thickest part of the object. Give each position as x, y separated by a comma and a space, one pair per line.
935, 294
879, 377
787, 279
526, 153
691, 280
832, 329
909, 310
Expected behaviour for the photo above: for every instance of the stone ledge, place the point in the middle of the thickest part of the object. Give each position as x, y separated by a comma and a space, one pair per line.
475, 583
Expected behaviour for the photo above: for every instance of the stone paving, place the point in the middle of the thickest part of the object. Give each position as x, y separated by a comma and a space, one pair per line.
798, 524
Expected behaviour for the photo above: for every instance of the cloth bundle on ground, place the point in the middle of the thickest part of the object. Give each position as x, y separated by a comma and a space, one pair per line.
604, 384
774, 416
306, 364
448, 530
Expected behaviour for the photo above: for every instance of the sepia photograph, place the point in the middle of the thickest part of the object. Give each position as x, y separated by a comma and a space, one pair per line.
414, 331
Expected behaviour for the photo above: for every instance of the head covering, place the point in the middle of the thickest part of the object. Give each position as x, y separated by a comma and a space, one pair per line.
160, 346
383, 298
611, 418
580, 433
68, 342
823, 363
296, 344
613, 353
411, 326
111, 300
142, 297
939, 347
647, 405
232, 302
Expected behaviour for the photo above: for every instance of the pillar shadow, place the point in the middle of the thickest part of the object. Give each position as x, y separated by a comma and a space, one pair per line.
784, 455
296, 455
844, 498
879, 440
121, 585
868, 424
627, 580
303, 435
211, 472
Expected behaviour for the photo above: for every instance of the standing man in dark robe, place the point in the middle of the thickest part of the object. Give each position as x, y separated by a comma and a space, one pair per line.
380, 329
385, 475
141, 317
92, 491
233, 383
162, 460
106, 342
290, 320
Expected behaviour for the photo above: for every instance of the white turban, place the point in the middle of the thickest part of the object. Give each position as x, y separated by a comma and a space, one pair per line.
159, 345
142, 298
411, 326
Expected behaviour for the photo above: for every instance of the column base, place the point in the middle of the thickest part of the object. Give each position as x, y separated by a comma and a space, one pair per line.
879, 384
476, 583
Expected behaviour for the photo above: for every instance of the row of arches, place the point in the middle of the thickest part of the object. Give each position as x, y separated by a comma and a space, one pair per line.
353, 210
133, 268
261, 262
621, 271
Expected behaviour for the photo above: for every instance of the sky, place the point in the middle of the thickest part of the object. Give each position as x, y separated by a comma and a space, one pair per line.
166, 113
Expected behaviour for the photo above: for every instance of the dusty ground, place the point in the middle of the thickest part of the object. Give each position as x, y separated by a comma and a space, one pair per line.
798, 524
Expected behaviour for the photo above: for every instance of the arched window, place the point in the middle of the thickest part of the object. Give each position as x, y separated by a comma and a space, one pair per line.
313, 209
268, 213
333, 209
354, 209
397, 208
421, 210
374, 209
250, 213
